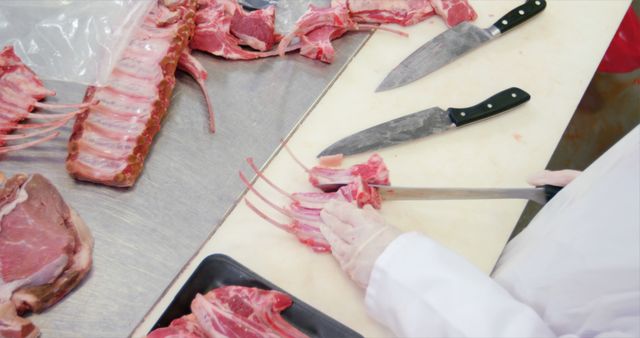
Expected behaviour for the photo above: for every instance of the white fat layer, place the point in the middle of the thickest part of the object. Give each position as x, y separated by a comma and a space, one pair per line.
46, 275
7, 209
82, 258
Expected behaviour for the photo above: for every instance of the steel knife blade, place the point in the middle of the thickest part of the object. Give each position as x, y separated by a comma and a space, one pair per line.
540, 195
453, 43
423, 123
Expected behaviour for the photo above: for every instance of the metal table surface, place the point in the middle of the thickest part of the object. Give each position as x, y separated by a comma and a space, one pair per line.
145, 235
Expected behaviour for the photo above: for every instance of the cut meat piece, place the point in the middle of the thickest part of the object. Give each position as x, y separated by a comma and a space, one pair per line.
349, 184
331, 160
138, 89
408, 12
454, 11
314, 18
402, 12
235, 312
255, 29
13, 326
183, 327
318, 26
213, 32
317, 44
20, 77
193, 67
20, 91
45, 248
330, 179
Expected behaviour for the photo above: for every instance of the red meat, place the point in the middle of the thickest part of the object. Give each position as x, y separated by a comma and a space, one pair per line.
111, 140
45, 250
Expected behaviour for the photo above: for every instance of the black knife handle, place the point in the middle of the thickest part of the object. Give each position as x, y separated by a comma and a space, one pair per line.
550, 191
520, 15
496, 104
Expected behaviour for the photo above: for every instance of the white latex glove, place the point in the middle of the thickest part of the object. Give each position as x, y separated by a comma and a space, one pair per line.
357, 237
559, 178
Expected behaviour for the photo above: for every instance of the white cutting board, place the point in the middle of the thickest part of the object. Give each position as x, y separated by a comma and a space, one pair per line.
553, 57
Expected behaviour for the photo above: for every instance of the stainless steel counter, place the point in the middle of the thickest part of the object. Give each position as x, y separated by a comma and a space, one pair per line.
144, 235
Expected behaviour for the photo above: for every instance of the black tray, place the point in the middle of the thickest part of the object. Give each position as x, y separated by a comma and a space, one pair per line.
220, 270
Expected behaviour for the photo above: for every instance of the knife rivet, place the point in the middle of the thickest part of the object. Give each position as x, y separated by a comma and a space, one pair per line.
521, 12
514, 95
489, 105
504, 22
538, 3
463, 114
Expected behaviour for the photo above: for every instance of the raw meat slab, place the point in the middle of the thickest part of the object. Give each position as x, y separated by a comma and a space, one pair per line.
220, 270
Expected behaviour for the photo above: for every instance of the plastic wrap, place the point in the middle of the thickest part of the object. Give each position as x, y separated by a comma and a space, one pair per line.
288, 12
76, 41
79, 40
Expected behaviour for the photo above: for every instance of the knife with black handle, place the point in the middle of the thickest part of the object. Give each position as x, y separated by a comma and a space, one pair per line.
520, 14
496, 104
426, 122
455, 42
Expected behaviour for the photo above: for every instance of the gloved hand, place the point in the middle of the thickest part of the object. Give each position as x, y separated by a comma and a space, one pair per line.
559, 178
357, 237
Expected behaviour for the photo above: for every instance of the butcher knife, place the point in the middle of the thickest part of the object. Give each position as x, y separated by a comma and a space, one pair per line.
453, 43
540, 195
426, 122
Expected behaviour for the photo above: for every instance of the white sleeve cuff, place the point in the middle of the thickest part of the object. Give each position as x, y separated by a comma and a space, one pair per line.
419, 288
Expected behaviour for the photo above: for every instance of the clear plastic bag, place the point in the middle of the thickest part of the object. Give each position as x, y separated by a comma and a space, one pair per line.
80, 40
289, 11
70, 40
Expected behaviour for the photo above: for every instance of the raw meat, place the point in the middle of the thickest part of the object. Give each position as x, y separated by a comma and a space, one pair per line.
318, 26
13, 326
402, 12
314, 18
454, 11
255, 29
184, 327
45, 249
194, 68
213, 32
317, 44
20, 91
234, 311
330, 179
237, 311
110, 141
351, 185
331, 160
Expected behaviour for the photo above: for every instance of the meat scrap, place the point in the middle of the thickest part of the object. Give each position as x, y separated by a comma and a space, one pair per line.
409, 12
316, 17
193, 67
401, 12
454, 11
14, 326
318, 26
317, 44
234, 311
216, 20
45, 251
184, 327
110, 140
350, 184
255, 29
20, 93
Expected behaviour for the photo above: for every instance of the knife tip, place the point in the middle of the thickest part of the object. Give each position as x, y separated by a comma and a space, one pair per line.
381, 88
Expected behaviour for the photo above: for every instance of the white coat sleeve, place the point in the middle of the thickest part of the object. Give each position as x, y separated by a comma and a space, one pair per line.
419, 288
